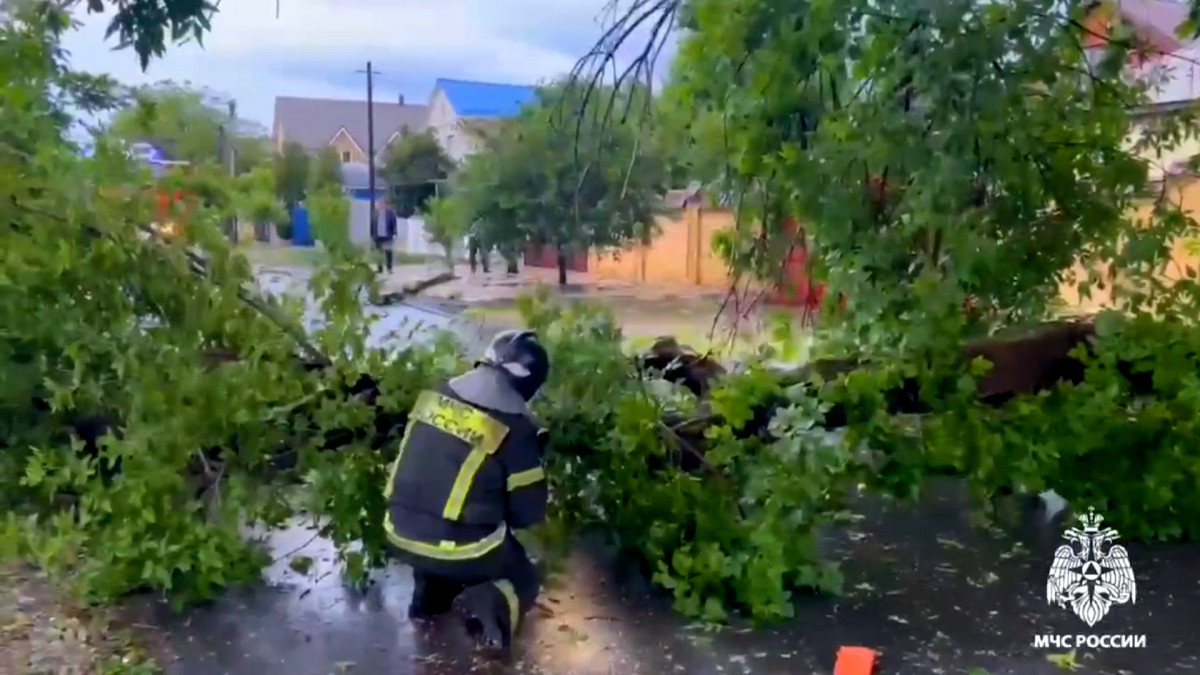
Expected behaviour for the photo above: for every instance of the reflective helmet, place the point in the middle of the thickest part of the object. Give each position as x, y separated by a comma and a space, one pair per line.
521, 357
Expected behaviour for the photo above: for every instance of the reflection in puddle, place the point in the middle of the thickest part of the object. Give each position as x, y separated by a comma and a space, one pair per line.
929, 592
393, 326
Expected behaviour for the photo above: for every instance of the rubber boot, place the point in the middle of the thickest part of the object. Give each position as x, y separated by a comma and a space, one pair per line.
432, 596
483, 610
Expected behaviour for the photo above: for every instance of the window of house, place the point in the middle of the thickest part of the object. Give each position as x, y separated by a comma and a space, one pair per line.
345, 156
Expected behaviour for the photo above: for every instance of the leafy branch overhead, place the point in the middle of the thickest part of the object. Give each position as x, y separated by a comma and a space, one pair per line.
896, 145
149, 26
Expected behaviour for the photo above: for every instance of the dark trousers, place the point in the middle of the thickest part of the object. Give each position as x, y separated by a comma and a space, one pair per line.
503, 576
476, 254
385, 247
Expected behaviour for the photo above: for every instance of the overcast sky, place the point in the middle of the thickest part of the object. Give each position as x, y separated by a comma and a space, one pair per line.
311, 49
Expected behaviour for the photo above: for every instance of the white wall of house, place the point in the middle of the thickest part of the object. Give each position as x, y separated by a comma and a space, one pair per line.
360, 221
1175, 79
455, 141
1171, 159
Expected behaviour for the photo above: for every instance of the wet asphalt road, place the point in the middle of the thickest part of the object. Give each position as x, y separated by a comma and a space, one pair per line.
929, 591
416, 319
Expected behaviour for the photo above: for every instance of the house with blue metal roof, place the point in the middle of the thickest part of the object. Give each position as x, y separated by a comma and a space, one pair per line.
459, 109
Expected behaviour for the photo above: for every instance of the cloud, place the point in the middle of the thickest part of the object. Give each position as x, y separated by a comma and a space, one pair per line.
314, 47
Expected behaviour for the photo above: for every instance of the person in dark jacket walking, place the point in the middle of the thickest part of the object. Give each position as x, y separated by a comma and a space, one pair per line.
385, 236
467, 474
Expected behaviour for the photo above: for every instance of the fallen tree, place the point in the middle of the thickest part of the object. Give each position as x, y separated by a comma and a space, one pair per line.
725, 431
211, 421
742, 475
1028, 362
947, 190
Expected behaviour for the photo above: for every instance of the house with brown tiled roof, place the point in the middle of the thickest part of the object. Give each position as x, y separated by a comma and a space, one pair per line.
318, 123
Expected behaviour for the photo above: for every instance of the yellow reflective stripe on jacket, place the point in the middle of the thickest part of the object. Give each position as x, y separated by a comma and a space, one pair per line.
391, 482
465, 422
525, 478
484, 432
510, 599
446, 550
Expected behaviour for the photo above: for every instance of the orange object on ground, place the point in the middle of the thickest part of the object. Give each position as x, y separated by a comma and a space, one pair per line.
856, 661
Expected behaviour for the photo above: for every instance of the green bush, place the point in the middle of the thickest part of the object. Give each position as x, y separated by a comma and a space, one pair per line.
329, 213
739, 534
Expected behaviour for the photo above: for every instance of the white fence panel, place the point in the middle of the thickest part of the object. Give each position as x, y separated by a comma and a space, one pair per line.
360, 221
412, 238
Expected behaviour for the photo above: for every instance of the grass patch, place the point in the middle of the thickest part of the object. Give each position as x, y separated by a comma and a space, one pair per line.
312, 256
721, 345
503, 314
689, 328
405, 258
282, 256
725, 346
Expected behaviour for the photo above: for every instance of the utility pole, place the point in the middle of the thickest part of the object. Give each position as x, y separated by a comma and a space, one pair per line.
232, 139
371, 146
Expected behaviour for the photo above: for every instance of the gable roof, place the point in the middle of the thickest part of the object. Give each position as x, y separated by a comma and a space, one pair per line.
485, 99
342, 132
313, 122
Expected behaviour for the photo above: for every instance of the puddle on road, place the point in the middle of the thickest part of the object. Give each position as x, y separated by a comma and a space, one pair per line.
923, 587
305, 620
394, 326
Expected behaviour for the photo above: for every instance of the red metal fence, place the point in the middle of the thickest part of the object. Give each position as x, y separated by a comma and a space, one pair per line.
537, 255
793, 288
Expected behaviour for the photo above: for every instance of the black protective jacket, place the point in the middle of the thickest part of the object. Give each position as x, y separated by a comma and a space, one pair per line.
464, 475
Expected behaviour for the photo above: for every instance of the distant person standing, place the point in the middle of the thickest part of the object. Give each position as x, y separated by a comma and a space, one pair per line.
385, 237
477, 254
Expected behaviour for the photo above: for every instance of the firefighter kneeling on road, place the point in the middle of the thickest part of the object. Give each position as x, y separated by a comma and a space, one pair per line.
468, 472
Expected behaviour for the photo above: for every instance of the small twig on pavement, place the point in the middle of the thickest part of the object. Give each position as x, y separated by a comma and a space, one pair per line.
299, 548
